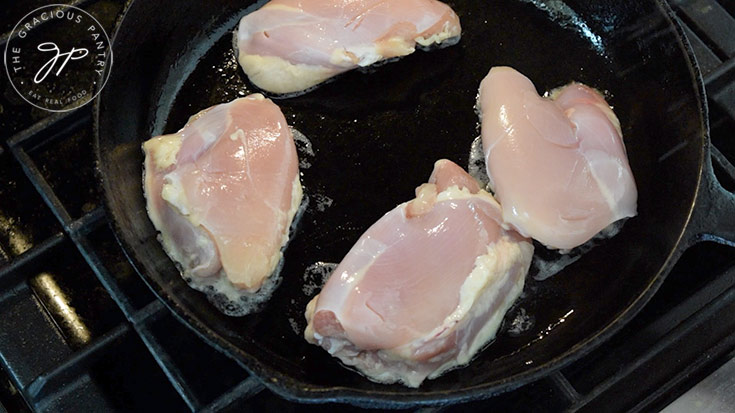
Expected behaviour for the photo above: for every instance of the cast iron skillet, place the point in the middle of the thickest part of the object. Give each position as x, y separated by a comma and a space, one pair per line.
376, 137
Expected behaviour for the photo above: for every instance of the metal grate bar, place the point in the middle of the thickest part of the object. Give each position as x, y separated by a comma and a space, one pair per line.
149, 313
76, 231
139, 321
172, 372
723, 164
566, 388
709, 300
246, 389
699, 343
89, 222
64, 123
721, 87
716, 79
711, 22
105, 278
46, 384
689, 370
707, 59
10, 274
42, 186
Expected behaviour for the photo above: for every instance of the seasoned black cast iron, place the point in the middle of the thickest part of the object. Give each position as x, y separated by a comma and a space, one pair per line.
376, 136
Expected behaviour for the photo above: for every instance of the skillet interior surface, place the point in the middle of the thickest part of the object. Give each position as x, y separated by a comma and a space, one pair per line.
375, 137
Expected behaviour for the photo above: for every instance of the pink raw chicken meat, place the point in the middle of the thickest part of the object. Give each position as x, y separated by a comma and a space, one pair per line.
223, 192
426, 287
557, 165
291, 45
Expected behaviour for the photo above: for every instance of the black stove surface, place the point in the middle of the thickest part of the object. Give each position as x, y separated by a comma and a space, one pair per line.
80, 331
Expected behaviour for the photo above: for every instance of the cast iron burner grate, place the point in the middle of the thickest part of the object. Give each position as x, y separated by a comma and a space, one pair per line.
80, 331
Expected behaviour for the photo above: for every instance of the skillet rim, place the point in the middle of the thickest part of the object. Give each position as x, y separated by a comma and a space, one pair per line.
295, 390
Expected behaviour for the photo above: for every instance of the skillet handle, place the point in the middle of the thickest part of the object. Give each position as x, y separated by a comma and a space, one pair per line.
713, 218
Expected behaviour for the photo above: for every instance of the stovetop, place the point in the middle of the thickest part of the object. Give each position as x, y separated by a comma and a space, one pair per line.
80, 331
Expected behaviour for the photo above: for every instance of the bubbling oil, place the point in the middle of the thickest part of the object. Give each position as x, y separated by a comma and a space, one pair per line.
476, 165
315, 276
303, 147
521, 323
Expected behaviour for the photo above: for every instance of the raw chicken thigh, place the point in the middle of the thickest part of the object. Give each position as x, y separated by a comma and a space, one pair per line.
291, 45
426, 287
223, 192
557, 165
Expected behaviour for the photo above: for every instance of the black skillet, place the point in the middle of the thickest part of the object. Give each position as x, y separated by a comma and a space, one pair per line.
376, 136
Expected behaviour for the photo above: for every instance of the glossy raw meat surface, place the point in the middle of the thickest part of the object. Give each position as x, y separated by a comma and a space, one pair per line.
223, 191
557, 165
425, 287
289, 46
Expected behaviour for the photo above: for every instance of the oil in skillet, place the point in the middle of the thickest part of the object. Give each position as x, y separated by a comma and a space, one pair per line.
376, 135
